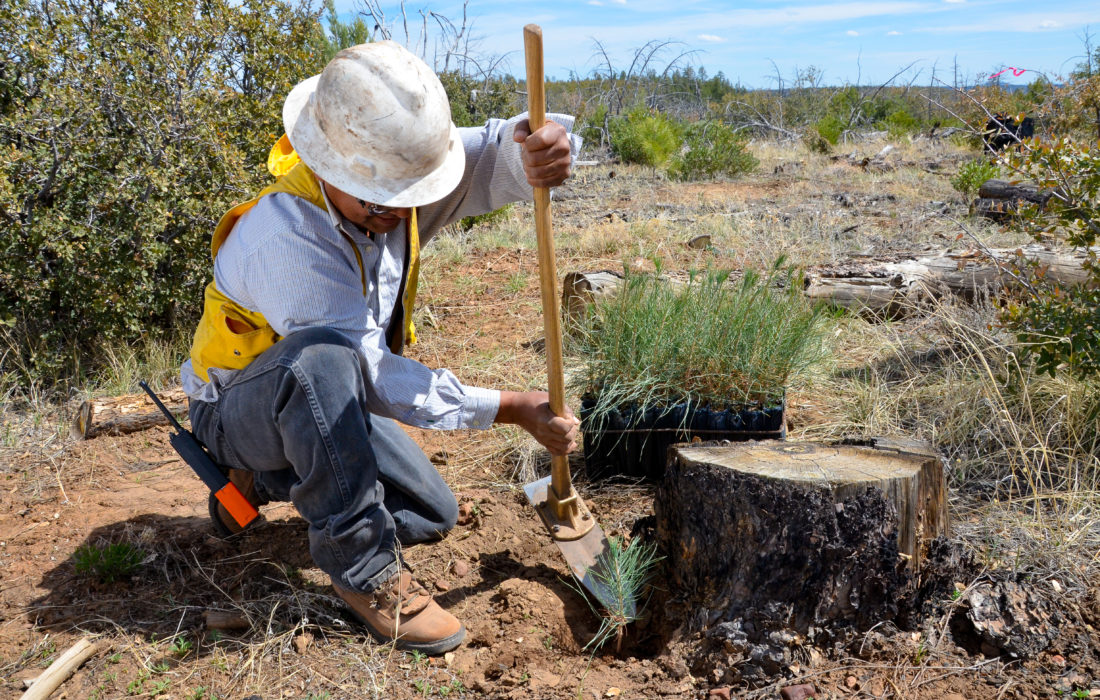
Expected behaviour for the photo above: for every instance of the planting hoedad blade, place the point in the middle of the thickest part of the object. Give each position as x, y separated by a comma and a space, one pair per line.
571, 524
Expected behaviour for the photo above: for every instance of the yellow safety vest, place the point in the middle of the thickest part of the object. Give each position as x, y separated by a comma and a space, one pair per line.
230, 336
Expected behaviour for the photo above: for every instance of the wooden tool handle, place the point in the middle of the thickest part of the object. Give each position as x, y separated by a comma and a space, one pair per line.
548, 273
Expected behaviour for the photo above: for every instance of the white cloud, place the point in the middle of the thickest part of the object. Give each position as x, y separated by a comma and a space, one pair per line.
619, 2
597, 3
893, 33
711, 38
955, 2
852, 32
1005, 22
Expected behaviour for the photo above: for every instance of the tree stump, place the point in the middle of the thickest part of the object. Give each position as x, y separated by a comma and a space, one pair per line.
798, 535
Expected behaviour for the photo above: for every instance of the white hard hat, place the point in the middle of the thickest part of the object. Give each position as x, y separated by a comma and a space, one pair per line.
376, 124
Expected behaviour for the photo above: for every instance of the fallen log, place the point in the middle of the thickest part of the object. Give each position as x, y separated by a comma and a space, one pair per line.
1000, 189
893, 289
579, 289
889, 288
129, 413
225, 620
998, 199
801, 535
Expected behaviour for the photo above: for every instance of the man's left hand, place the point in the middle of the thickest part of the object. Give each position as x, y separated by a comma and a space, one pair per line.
546, 154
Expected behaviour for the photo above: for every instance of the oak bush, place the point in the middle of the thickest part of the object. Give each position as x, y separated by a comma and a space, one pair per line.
127, 128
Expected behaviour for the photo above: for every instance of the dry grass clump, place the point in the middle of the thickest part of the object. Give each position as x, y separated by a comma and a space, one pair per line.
1023, 449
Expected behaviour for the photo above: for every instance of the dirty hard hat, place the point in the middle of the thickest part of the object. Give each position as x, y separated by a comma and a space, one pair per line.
376, 124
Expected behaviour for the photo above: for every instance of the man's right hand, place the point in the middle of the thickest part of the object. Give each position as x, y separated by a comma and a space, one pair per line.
530, 410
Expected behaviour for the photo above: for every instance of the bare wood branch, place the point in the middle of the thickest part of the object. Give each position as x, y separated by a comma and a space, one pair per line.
60, 670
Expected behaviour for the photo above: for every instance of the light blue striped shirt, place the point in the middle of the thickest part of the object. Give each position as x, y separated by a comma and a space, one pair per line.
287, 259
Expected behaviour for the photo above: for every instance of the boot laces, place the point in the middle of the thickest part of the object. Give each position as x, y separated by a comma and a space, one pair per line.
403, 601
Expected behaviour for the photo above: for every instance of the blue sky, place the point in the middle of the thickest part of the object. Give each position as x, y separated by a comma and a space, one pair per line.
748, 41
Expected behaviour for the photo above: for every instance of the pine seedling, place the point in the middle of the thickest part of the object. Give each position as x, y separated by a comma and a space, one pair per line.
712, 342
624, 571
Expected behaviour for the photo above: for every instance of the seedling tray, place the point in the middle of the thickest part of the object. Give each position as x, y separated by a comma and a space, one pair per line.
634, 443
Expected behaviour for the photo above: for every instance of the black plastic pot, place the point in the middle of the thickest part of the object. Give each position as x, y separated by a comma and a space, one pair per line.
634, 443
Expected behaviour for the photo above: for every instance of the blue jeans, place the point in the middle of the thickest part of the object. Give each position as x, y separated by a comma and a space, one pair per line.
297, 417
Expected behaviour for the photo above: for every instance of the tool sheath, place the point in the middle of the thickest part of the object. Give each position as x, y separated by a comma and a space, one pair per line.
195, 455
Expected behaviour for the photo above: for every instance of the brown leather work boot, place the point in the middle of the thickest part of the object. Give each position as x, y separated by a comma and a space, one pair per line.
224, 523
403, 612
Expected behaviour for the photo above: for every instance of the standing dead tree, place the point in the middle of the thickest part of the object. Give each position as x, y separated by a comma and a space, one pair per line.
455, 47
639, 83
617, 91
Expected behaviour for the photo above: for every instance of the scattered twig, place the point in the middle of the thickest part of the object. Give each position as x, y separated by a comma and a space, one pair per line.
60, 670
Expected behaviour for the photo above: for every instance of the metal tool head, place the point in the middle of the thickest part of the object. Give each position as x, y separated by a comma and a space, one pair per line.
586, 555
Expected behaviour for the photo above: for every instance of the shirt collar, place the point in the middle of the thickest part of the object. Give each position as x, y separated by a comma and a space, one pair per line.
339, 221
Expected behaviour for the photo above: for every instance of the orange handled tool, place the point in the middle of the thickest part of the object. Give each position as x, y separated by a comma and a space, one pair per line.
192, 452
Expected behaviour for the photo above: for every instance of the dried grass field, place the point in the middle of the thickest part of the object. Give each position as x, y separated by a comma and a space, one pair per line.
1021, 452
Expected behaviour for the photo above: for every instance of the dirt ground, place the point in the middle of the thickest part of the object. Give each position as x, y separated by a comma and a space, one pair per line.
498, 570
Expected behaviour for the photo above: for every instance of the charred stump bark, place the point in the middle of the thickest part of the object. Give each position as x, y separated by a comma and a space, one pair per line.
798, 536
1000, 200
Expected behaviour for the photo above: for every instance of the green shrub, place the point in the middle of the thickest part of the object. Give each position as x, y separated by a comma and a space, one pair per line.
593, 127
710, 342
474, 101
972, 174
815, 142
900, 122
1060, 325
127, 129
645, 138
830, 127
711, 149
108, 563
491, 218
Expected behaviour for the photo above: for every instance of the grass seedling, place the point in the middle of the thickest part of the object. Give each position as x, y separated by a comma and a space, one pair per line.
108, 563
624, 572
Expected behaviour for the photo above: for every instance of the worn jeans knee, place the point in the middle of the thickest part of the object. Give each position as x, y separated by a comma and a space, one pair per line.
297, 416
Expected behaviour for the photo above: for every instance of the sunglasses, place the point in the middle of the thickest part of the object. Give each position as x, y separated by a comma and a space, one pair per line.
374, 209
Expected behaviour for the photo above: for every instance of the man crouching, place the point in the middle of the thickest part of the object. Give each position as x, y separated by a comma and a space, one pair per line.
296, 376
